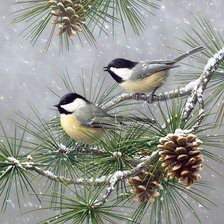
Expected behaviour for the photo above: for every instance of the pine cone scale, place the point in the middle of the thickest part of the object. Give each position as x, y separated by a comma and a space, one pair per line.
146, 184
181, 156
73, 14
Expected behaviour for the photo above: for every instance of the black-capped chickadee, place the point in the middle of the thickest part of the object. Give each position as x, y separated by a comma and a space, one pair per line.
143, 76
82, 120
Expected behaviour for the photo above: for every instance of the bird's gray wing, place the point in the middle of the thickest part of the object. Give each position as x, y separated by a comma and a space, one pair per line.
147, 68
95, 117
159, 62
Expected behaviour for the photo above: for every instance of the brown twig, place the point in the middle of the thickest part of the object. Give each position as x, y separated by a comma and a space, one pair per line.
79, 181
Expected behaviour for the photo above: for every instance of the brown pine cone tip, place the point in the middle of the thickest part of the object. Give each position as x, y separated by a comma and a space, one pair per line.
69, 14
181, 156
146, 184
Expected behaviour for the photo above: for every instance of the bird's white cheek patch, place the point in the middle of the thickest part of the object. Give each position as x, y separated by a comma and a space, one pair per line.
124, 73
71, 107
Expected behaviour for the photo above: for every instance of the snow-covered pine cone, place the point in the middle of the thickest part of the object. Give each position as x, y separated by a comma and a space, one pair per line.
146, 184
70, 14
181, 157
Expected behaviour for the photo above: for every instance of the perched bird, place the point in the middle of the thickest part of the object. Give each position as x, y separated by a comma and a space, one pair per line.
143, 76
82, 120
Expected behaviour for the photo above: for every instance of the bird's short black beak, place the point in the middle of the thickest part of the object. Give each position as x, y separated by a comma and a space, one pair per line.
106, 68
56, 105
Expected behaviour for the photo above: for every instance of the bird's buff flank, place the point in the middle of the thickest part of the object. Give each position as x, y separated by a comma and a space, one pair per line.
86, 135
145, 85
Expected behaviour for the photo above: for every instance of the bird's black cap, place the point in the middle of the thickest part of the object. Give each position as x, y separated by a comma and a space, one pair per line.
66, 99
121, 63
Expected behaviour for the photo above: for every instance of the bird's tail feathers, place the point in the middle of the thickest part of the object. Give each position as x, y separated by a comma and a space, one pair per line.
189, 53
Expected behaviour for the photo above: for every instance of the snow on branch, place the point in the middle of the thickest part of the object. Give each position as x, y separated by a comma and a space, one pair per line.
78, 181
198, 90
80, 149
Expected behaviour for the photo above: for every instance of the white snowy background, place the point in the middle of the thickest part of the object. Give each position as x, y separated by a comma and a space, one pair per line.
26, 74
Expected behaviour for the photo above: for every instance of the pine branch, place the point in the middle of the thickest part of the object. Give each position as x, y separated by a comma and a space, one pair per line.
201, 114
80, 181
198, 91
48, 174
213, 41
185, 91
83, 149
119, 175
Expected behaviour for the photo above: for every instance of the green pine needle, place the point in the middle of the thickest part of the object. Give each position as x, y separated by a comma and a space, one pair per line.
11, 169
81, 206
169, 206
99, 92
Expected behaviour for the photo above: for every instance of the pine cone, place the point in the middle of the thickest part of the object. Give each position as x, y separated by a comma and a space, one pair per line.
146, 184
181, 157
70, 15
